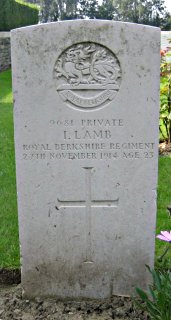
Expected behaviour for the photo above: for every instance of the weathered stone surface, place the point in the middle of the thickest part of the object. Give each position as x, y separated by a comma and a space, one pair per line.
86, 136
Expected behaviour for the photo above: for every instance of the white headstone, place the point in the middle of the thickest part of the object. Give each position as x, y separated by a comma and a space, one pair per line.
86, 136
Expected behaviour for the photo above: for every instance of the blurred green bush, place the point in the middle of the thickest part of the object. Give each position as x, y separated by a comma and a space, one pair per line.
15, 14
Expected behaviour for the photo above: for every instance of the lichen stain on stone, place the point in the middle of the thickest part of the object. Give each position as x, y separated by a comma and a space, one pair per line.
155, 46
74, 278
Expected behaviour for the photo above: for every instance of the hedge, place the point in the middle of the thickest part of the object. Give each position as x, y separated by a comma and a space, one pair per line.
15, 14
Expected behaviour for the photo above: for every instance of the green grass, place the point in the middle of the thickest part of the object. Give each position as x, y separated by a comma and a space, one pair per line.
6, 88
164, 199
9, 244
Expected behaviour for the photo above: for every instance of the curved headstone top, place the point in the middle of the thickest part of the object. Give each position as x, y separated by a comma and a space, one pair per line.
86, 136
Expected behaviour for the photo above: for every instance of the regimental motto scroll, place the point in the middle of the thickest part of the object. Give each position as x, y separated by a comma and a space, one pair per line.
88, 75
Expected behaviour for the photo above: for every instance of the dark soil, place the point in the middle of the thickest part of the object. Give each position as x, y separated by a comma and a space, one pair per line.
10, 276
165, 149
13, 307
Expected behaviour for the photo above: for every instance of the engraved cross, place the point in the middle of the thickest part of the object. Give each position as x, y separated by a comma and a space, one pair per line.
88, 203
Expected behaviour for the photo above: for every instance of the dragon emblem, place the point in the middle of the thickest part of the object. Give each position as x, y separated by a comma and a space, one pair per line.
88, 75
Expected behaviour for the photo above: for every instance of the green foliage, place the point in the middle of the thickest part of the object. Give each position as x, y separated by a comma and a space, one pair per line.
165, 96
2, 15
149, 12
107, 10
28, 4
31, 3
54, 10
166, 22
49, 11
93, 10
15, 14
89, 9
157, 301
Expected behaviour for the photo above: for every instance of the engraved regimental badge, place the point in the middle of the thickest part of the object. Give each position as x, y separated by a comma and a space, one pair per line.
88, 75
